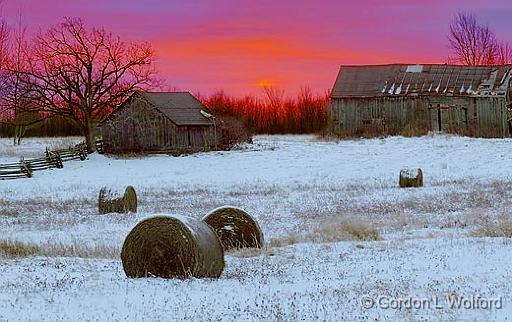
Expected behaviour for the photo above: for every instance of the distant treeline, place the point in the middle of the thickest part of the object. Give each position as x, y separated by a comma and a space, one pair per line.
55, 126
275, 114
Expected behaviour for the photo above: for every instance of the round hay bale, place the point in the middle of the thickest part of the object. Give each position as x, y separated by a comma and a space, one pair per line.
111, 201
235, 228
411, 178
172, 247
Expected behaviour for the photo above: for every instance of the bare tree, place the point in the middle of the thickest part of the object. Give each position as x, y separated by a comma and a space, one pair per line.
274, 96
83, 74
17, 94
504, 52
472, 43
274, 111
4, 54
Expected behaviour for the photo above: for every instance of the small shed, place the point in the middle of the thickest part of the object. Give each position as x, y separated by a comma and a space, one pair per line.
412, 99
159, 122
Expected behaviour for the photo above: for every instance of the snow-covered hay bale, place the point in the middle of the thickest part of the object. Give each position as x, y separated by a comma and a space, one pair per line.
172, 247
235, 228
411, 178
112, 201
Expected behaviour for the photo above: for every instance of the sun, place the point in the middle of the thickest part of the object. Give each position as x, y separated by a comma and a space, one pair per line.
266, 83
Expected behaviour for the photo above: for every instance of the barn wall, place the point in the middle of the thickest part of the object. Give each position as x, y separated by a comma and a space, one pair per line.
195, 137
139, 127
492, 117
373, 116
201, 136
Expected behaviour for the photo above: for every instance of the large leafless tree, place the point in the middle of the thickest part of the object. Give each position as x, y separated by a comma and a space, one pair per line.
17, 92
82, 74
473, 43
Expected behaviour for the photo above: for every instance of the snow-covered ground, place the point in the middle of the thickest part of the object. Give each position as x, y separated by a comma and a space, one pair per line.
296, 186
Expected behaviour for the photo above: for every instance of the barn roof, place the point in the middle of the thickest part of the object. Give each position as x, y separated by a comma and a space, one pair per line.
412, 80
182, 108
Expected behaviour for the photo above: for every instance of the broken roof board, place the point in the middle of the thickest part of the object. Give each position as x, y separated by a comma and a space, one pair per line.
390, 80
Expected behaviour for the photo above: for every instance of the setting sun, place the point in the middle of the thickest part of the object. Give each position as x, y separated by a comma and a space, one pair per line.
266, 83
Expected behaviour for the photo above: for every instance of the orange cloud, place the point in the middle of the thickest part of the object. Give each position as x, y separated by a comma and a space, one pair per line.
253, 47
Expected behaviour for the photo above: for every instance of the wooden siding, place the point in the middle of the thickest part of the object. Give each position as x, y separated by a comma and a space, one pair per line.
372, 116
140, 127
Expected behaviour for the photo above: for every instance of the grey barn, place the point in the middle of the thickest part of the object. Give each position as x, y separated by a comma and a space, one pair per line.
167, 122
412, 99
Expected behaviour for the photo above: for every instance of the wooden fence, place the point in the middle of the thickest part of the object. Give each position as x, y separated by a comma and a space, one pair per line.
52, 159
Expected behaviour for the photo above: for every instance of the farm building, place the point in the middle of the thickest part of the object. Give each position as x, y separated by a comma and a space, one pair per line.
411, 99
168, 122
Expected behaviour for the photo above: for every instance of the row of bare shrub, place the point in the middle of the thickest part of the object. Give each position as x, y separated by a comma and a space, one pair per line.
274, 113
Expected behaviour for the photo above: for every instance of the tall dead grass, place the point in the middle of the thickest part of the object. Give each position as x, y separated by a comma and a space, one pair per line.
19, 249
13, 249
497, 228
331, 232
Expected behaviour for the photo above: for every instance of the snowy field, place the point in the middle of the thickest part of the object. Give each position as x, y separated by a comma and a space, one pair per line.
436, 245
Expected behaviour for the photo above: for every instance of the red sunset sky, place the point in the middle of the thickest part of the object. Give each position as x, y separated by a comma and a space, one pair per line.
238, 45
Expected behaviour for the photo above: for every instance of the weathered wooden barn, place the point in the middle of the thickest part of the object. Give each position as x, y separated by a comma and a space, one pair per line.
414, 99
166, 122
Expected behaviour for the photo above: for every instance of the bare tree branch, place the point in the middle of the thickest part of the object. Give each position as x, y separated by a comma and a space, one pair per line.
473, 43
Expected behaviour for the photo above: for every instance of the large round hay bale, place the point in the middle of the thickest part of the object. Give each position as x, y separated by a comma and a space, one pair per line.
411, 178
235, 228
172, 247
112, 201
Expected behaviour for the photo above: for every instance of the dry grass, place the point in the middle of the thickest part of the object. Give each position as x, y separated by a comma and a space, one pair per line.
498, 228
331, 232
414, 128
9, 213
447, 204
343, 230
13, 249
267, 250
17, 249
327, 136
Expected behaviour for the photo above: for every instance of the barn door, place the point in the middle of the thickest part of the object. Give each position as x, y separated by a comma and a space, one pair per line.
435, 119
449, 118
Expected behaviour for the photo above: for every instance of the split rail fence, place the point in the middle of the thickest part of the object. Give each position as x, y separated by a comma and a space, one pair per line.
52, 159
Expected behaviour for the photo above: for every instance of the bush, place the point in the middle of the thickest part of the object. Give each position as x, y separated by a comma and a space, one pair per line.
231, 132
275, 113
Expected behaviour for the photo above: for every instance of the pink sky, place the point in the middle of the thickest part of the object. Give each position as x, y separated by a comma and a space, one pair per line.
238, 45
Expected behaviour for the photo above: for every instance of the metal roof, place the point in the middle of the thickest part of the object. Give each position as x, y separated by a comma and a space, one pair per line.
412, 80
182, 108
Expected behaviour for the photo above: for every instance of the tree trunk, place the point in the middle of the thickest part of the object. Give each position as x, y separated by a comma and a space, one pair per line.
89, 136
19, 133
